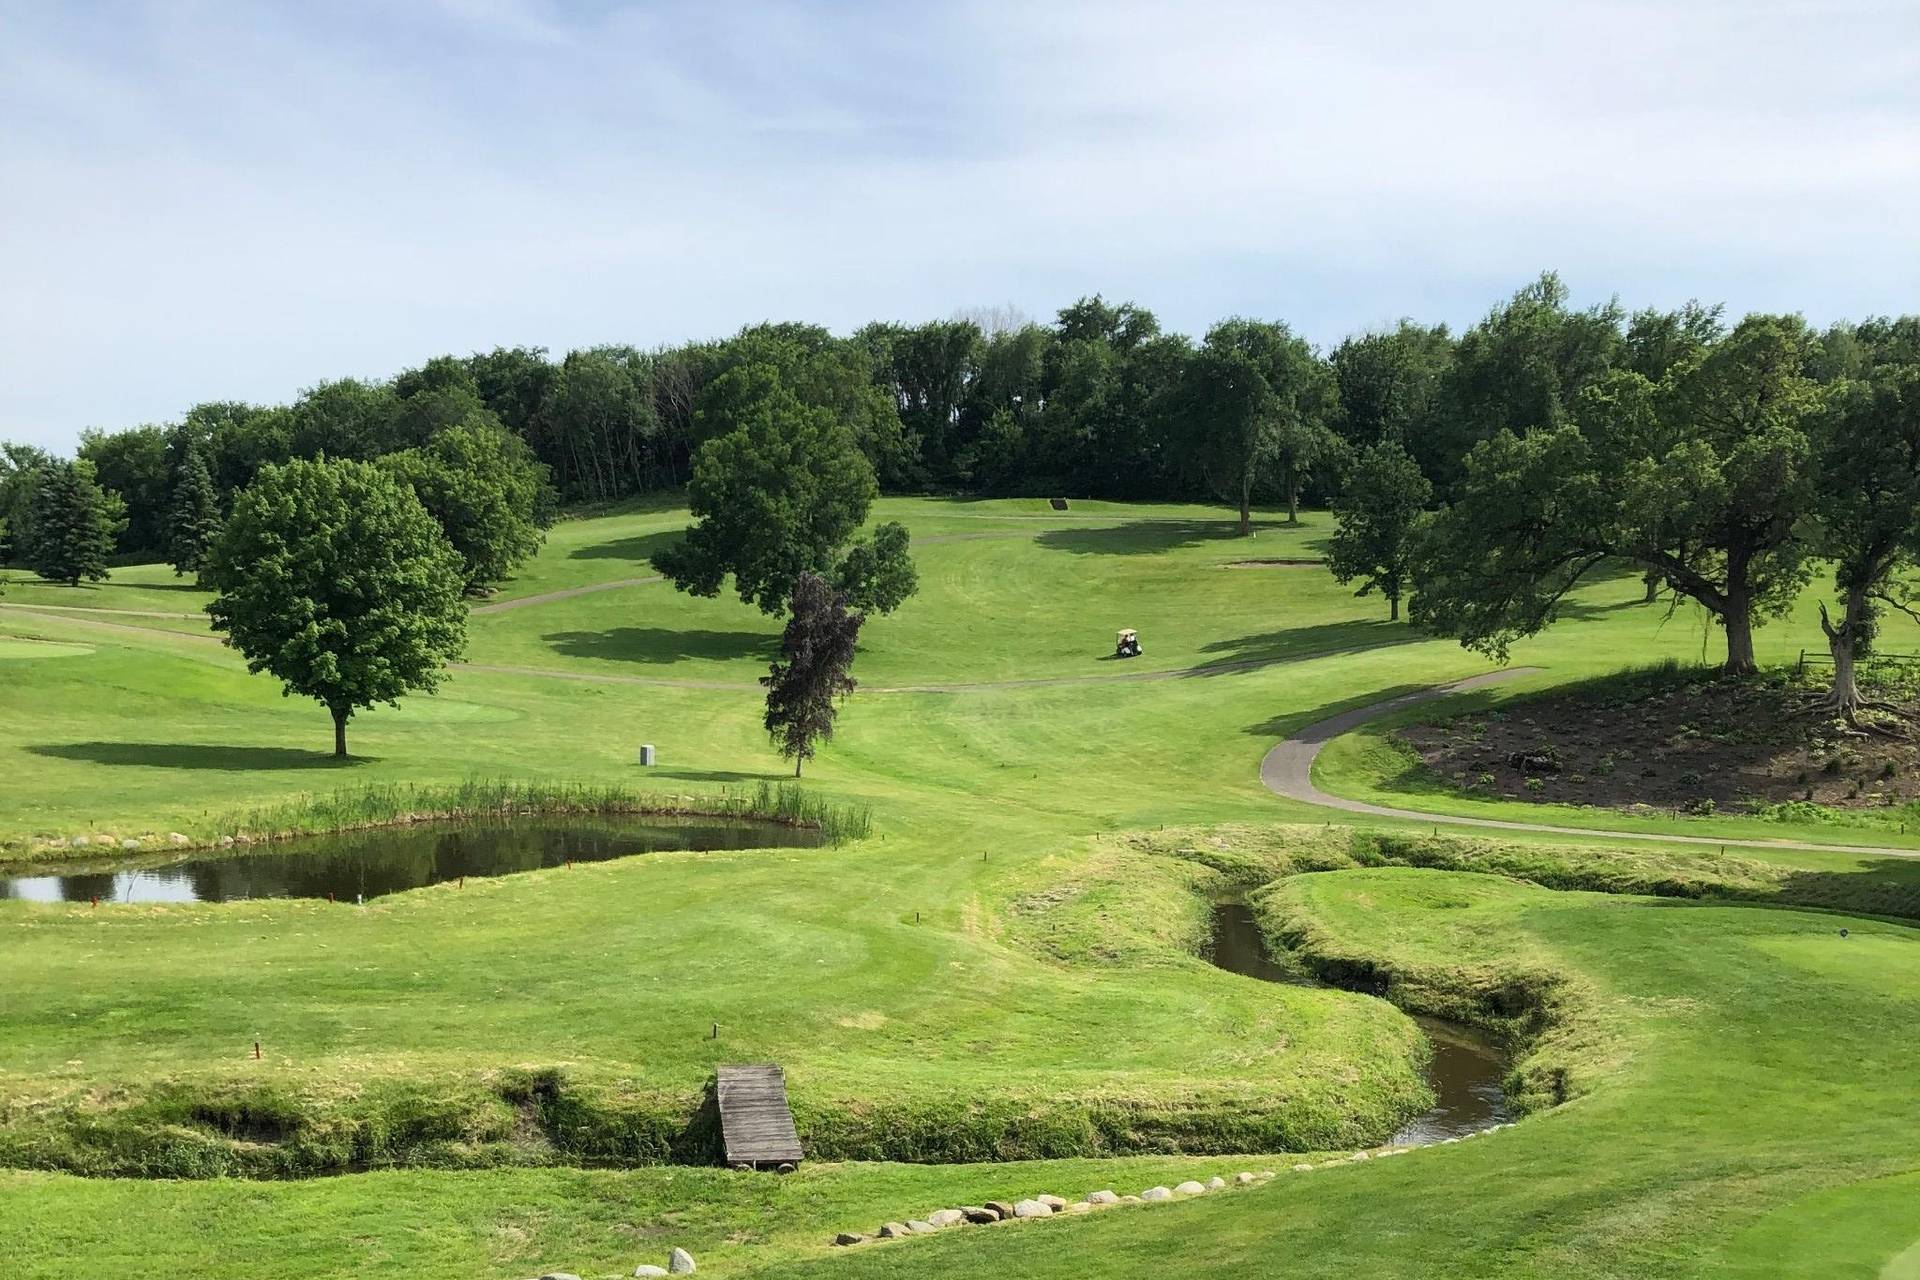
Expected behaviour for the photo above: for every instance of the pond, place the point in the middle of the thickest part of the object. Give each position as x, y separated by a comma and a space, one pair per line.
366, 864
1466, 1068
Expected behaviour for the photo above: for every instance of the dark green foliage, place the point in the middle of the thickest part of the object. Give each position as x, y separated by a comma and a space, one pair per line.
877, 575
20, 467
72, 524
1703, 480
1374, 523
778, 495
1518, 370
134, 466
814, 671
487, 491
335, 580
595, 425
1253, 402
193, 508
1389, 384
346, 418
1868, 469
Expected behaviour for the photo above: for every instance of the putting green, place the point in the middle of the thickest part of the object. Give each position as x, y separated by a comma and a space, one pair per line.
18, 649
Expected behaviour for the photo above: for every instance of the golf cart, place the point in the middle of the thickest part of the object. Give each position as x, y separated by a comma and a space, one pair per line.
1127, 644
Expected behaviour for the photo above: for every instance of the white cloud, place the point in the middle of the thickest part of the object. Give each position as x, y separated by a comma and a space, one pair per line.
211, 201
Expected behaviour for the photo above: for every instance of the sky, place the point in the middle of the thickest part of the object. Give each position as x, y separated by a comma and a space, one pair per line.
235, 200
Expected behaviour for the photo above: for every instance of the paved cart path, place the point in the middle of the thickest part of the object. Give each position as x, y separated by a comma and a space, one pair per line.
1287, 771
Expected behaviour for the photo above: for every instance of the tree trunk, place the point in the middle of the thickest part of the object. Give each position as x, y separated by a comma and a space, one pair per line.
1738, 620
1246, 507
340, 715
1393, 607
1843, 643
1293, 498
796, 766
1651, 581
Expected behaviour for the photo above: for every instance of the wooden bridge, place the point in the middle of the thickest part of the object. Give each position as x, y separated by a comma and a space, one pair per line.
756, 1125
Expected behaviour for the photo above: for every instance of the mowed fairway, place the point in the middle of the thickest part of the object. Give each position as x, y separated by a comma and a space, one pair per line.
997, 972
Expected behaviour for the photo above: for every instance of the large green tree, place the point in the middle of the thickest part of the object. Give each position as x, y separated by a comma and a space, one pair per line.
1868, 513
20, 468
813, 673
777, 496
1388, 384
1375, 521
334, 579
73, 524
133, 465
1254, 402
1712, 501
487, 491
1520, 369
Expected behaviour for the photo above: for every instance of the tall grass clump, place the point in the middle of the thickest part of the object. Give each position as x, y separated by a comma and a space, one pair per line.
494, 799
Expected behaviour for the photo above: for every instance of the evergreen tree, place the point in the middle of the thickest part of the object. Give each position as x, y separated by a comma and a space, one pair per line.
813, 671
73, 527
193, 509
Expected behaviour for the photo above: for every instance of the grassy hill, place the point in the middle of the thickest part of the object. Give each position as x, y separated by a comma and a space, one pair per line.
1004, 969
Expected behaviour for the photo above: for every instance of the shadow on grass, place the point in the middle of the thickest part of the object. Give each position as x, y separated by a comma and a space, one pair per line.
176, 755
1293, 723
1148, 537
638, 548
721, 775
1300, 644
662, 645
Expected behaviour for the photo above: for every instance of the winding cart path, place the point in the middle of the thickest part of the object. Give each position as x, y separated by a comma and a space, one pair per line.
1287, 770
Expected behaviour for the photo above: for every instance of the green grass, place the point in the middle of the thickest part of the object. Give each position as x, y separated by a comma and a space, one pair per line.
1002, 967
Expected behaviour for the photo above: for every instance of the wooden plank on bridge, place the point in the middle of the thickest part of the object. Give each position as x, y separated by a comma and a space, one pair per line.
756, 1125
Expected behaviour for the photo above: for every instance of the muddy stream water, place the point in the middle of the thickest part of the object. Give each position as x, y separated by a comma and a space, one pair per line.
1466, 1069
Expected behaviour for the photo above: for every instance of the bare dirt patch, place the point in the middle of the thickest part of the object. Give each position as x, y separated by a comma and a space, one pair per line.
1678, 741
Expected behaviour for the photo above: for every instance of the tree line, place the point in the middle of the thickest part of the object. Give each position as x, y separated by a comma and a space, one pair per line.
1101, 402
1481, 475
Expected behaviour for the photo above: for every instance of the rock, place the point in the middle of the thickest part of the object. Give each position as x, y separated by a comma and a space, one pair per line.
1031, 1209
648, 1269
80, 842
226, 842
1102, 1197
558, 1275
174, 837
1190, 1188
1080, 1206
1054, 1203
980, 1214
1358, 1156
1216, 1182
129, 843
1243, 1178
680, 1263
1156, 1193
946, 1217
1130, 1199
1305, 1168
845, 1237
1001, 1207
921, 1227
892, 1231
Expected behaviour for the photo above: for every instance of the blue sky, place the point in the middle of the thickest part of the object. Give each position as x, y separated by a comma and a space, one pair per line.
235, 200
